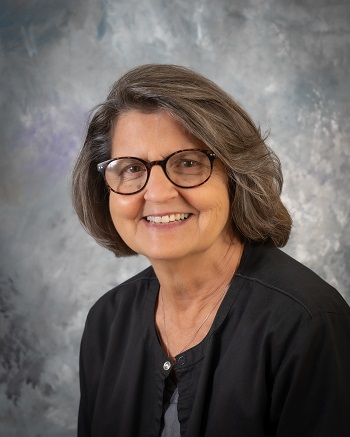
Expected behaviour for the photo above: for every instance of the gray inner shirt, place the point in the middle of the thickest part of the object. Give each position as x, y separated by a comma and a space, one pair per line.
171, 418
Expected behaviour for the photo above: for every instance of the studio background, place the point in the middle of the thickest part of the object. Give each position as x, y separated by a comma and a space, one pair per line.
286, 62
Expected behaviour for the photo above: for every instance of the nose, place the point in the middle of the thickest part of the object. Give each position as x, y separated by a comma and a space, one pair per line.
159, 188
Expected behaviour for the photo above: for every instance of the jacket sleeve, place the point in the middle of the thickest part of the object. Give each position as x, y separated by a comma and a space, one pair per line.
311, 389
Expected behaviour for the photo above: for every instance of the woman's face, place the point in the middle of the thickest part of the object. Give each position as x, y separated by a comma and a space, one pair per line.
206, 230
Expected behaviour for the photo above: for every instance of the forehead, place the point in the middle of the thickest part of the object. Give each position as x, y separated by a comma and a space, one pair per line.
142, 133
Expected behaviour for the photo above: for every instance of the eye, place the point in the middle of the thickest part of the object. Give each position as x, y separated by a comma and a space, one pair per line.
133, 169
126, 166
131, 172
188, 163
185, 165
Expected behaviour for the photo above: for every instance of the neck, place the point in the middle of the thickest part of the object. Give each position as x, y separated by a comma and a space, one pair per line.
190, 295
186, 282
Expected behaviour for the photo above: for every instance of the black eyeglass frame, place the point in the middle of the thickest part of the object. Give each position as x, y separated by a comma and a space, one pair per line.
101, 168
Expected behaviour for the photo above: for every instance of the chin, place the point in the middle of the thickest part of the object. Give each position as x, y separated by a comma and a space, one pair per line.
162, 255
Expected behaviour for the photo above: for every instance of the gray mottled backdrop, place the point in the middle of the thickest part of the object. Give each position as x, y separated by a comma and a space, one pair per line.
287, 62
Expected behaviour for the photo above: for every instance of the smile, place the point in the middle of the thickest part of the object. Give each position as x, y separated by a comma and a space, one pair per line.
167, 218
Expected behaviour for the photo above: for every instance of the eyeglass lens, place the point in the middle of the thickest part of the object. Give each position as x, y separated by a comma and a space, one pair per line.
185, 169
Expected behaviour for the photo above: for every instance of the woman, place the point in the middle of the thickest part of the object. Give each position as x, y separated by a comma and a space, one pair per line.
224, 334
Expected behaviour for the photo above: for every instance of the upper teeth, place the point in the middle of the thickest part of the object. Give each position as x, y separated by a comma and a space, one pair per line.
167, 218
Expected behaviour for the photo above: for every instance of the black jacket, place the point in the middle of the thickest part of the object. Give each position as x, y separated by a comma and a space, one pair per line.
276, 361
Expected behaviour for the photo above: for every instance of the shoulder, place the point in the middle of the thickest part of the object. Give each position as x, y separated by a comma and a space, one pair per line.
124, 295
289, 282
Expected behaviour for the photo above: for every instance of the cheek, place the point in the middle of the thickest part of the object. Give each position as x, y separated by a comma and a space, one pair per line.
219, 199
221, 211
220, 208
123, 210
213, 204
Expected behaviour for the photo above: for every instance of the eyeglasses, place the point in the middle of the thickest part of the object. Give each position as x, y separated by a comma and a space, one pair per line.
185, 168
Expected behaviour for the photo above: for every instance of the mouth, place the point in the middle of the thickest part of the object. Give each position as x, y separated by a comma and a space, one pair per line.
163, 219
